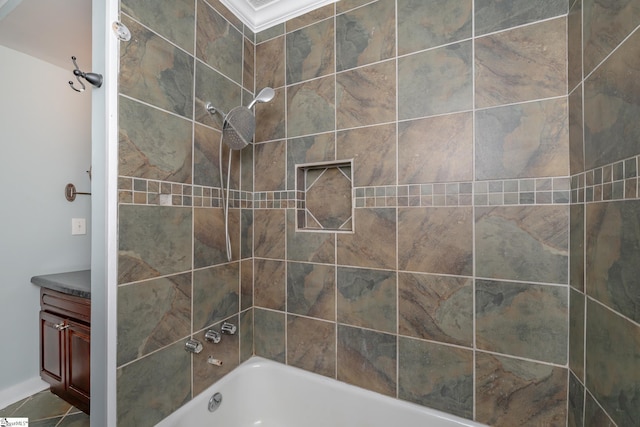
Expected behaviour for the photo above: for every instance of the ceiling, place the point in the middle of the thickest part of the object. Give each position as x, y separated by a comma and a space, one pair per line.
56, 30
48, 29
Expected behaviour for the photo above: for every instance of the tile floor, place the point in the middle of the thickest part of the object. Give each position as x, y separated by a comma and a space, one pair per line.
45, 409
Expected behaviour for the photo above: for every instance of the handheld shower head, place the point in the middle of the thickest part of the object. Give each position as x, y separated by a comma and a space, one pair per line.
265, 95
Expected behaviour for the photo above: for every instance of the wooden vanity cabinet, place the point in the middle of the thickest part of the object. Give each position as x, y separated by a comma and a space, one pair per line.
65, 344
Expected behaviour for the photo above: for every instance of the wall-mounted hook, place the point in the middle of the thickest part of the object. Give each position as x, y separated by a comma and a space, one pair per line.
93, 78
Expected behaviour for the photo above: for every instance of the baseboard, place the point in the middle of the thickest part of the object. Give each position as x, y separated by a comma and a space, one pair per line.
21, 390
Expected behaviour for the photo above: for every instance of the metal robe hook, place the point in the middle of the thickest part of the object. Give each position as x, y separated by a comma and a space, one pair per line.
93, 78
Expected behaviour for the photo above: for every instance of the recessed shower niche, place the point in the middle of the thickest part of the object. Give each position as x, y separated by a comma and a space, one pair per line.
324, 193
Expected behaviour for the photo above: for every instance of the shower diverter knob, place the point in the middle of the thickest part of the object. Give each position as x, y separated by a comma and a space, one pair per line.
228, 328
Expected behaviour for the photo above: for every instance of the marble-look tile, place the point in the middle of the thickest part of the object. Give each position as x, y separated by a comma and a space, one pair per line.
151, 388
218, 43
367, 298
152, 314
227, 350
436, 240
246, 335
206, 155
576, 333
246, 169
366, 35
346, 5
435, 375
270, 33
269, 233
75, 420
224, 11
605, 25
269, 284
39, 406
270, 118
147, 249
209, 247
146, 135
436, 308
216, 294
612, 255
213, 87
574, 45
310, 247
613, 363
248, 67
492, 15
246, 236
594, 416
310, 17
308, 149
575, 416
366, 96
512, 392
522, 64
424, 24
270, 334
310, 52
372, 149
311, 290
174, 20
329, 198
156, 72
527, 243
311, 107
612, 106
270, 67
436, 149
522, 319
523, 141
246, 284
270, 166
576, 247
373, 242
436, 81
576, 132
367, 359
311, 345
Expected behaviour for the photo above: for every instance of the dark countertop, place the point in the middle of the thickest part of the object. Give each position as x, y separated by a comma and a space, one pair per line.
76, 283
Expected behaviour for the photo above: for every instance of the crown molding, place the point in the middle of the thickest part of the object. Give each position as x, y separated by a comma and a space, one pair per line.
273, 13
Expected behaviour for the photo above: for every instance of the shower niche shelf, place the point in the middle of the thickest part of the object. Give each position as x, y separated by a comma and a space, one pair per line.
324, 193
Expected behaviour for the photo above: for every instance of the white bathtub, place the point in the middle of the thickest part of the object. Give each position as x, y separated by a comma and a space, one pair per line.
269, 394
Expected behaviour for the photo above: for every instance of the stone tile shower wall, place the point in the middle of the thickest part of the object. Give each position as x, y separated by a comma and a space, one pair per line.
479, 212
173, 275
604, 100
453, 289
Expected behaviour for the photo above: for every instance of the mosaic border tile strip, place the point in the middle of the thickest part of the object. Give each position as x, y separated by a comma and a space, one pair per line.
615, 181
139, 191
527, 191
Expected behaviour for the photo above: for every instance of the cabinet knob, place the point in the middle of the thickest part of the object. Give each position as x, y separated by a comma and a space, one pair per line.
60, 326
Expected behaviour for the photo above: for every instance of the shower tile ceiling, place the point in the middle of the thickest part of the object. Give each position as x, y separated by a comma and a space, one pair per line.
259, 15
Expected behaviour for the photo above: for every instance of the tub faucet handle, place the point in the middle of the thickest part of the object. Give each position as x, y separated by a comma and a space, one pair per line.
212, 336
228, 328
193, 346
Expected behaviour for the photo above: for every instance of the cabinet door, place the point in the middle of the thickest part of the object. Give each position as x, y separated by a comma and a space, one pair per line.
52, 350
78, 361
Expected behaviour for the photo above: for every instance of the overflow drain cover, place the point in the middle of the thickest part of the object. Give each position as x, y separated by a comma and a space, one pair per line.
215, 402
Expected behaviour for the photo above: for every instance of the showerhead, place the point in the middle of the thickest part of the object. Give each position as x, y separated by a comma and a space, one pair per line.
238, 127
265, 95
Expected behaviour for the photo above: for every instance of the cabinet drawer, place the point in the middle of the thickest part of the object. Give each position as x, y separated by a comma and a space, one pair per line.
66, 305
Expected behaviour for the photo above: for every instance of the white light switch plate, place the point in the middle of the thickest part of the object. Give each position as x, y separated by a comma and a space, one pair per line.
78, 226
